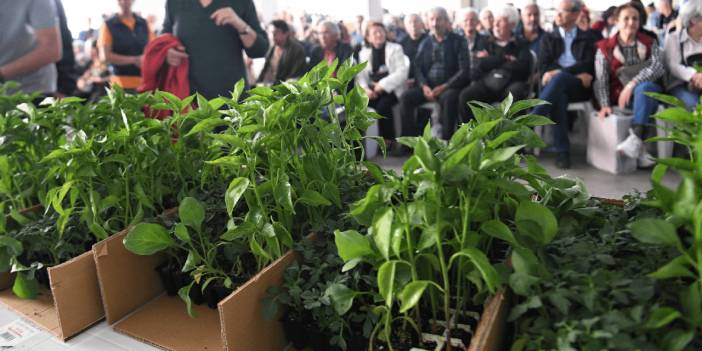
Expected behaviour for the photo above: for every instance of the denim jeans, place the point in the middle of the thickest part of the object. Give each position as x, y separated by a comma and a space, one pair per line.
642, 105
691, 99
561, 90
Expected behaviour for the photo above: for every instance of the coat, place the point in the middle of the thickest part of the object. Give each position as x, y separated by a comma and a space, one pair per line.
292, 62
398, 67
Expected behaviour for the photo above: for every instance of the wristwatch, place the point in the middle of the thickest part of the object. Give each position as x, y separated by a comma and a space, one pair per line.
246, 31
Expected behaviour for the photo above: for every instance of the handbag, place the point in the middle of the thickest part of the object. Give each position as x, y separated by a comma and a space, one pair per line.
497, 80
626, 74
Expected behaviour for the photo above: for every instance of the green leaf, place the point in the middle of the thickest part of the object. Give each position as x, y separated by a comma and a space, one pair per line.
386, 281
341, 296
522, 105
148, 239
673, 269
654, 231
457, 157
502, 138
497, 229
314, 199
425, 156
677, 340
382, 231
12, 245
181, 232
499, 156
184, 294
191, 262
351, 244
283, 193
258, 250
26, 285
668, 99
238, 89
661, 317
191, 213
525, 261
236, 188
534, 120
411, 294
206, 125
478, 258
529, 213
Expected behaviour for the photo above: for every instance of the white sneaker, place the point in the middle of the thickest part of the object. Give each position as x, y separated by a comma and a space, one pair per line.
631, 146
645, 160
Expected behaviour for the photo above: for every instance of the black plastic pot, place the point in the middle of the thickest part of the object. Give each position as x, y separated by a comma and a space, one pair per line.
295, 332
168, 279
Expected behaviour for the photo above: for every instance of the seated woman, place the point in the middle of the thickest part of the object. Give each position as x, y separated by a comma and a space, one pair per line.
683, 50
384, 76
627, 66
500, 66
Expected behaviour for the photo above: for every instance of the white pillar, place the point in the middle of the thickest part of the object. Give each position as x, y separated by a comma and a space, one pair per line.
372, 9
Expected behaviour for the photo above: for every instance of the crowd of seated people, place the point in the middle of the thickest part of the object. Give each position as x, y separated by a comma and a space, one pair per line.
450, 57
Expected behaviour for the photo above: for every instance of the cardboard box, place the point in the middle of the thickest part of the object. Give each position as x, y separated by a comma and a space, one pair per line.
603, 137
136, 303
490, 332
70, 306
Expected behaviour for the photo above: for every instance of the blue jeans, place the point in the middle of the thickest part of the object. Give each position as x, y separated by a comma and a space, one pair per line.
691, 99
561, 90
644, 106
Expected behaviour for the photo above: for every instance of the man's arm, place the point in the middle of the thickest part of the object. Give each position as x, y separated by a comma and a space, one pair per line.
48, 51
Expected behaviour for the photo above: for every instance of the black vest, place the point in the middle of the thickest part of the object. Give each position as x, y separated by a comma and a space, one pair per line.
127, 42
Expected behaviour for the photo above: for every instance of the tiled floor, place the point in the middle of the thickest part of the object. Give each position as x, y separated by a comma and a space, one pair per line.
101, 337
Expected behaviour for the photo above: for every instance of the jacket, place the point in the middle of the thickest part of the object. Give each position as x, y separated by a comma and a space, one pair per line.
156, 73
608, 46
518, 48
292, 62
343, 53
553, 46
398, 67
456, 60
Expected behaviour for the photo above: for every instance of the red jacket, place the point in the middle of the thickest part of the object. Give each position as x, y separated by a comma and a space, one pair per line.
608, 46
156, 73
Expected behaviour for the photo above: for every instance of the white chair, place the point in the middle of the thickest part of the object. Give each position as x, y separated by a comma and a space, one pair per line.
435, 118
584, 110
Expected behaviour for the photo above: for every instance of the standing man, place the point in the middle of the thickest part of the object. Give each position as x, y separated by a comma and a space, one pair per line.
30, 44
566, 65
121, 43
214, 35
442, 69
286, 59
531, 30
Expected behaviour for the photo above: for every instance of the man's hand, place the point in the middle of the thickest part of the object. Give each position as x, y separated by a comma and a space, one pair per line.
428, 93
696, 80
604, 112
585, 79
378, 90
548, 76
481, 54
227, 16
139, 60
175, 56
437, 91
625, 95
370, 93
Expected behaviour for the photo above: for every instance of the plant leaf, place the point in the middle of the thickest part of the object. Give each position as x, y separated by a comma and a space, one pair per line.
181, 232
314, 199
147, 239
342, 297
541, 216
350, 244
26, 285
386, 281
191, 213
497, 229
673, 269
411, 294
478, 258
382, 231
184, 294
654, 231
236, 188
661, 317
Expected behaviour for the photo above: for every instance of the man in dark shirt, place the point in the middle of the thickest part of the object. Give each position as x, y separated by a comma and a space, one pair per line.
214, 34
442, 69
285, 59
530, 27
410, 44
566, 65
330, 46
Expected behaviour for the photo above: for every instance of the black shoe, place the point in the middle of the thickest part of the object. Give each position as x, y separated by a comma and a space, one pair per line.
563, 160
400, 150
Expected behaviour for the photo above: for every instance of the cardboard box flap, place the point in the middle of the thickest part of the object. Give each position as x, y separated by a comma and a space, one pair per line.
40, 310
241, 313
74, 286
165, 323
127, 281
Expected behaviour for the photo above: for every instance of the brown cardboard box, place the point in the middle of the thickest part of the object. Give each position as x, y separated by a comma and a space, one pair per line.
71, 305
490, 332
135, 302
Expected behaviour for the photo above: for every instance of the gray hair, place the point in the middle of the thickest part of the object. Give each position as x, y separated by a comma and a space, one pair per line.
486, 10
509, 12
466, 10
533, 3
691, 10
333, 27
441, 12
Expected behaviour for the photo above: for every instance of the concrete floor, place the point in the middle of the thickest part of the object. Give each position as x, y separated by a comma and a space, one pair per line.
599, 183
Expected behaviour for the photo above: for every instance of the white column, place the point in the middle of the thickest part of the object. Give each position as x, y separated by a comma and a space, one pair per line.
372, 9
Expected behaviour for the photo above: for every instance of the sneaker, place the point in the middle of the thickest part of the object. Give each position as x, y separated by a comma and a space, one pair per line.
645, 160
563, 160
631, 146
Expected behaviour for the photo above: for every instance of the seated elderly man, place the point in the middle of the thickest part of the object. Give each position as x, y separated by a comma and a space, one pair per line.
441, 69
530, 28
470, 22
330, 46
683, 50
566, 65
501, 65
285, 59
